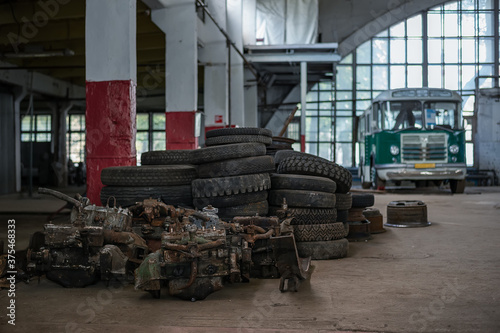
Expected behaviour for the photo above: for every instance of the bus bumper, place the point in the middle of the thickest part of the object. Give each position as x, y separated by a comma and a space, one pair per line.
409, 172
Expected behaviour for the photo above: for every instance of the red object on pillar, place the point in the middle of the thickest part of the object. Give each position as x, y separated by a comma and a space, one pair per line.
111, 129
303, 143
180, 130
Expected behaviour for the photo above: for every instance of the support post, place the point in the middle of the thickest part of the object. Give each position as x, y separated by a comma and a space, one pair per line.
303, 97
111, 73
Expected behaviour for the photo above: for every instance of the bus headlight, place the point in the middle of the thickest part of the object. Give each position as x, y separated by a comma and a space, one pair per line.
395, 150
454, 149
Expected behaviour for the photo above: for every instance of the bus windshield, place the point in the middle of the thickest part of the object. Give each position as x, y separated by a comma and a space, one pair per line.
446, 114
399, 115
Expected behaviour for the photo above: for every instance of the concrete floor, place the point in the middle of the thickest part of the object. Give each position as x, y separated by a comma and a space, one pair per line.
443, 278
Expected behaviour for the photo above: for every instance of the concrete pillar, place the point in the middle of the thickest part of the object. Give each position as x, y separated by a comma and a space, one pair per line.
303, 103
251, 100
19, 94
235, 32
178, 20
111, 74
249, 29
213, 55
7, 135
60, 112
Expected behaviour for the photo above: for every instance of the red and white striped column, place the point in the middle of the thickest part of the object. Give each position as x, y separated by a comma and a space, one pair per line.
111, 75
178, 20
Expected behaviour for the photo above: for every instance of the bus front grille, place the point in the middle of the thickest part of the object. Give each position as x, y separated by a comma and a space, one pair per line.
425, 147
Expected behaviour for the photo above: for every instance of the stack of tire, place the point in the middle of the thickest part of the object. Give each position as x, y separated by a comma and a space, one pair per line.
310, 186
130, 184
279, 143
236, 185
359, 226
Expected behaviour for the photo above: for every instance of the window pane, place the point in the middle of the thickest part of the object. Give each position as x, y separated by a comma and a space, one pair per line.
25, 137
398, 51
363, 78
414, 76
468, 4
43, 123
312, 96
468, 103
469, 153
380, 77
142, 121
325, 85
43, 137
344, 77
468, 75
450, 25
325, 96
434, 24
343, 154
325, 151
311, 148
485, 4
468, 27
398, 30
486, 70
380, 54
347, 59
451, 77
141, 144
325, 108
468, 50
414, 51
398, 77
312, 129
343, 129
434, 51
451, 6
325, 129
159, 121
485, 24
159, 141
363, 53
485, 50
312, 109
344, 95
451, 50
435, 76
414, 26
344, 106
25, 123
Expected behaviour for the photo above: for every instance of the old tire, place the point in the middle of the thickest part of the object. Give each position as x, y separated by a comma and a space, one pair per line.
227, 152
319, 232
342, 215
334, 249
235, 167
302, 182
239, 131
230, 200
231, 139
128, 196
149, 175
166, 157
344, 201
298, 198
223, 186
317, 166
363, 200
308, 215
251, 209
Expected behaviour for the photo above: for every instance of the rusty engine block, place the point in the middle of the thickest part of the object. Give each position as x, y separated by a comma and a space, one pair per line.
98, 243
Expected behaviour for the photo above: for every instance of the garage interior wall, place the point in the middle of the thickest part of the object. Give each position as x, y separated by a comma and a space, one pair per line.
7, 136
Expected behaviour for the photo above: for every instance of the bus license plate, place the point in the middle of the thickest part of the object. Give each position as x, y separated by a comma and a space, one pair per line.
425, 165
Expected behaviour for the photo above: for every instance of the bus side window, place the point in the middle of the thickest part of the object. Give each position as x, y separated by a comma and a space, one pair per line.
376, 121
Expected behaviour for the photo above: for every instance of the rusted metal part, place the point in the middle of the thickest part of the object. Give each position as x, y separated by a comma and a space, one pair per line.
98, 243
359, 231
356, 214
407, 214
292, 268
376, 220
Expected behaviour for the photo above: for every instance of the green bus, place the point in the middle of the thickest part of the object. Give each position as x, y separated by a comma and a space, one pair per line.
413, 134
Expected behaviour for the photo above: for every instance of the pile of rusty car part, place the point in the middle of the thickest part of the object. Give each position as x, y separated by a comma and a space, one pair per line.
407, 214
98, 243
196, 253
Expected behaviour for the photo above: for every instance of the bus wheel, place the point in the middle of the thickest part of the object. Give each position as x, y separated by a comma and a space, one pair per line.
457, 186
